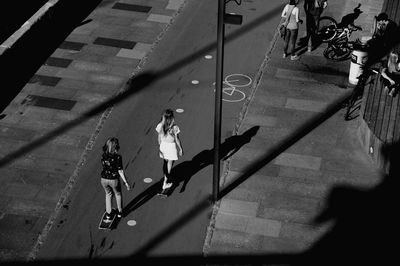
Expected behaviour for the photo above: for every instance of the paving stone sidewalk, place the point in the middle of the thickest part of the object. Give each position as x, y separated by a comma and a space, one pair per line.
273, 210
88, 68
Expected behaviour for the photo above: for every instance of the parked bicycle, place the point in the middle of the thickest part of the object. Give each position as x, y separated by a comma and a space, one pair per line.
338, 38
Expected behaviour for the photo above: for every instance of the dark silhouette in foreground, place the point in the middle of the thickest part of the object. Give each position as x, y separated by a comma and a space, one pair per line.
365, 221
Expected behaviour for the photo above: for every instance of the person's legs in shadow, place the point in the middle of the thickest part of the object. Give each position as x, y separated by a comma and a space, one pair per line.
286, 43
313, 41
292, 44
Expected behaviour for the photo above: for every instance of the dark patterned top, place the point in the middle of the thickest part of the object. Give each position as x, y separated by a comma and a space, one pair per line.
111, 162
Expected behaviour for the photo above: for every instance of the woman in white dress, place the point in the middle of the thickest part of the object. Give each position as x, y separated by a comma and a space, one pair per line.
170, 145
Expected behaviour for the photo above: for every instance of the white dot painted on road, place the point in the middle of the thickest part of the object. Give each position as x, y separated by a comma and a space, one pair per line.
195, 82
131, 222
179, 110
147, 180
208, 56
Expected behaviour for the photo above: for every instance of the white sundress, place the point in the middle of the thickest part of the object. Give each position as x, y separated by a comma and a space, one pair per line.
168, 145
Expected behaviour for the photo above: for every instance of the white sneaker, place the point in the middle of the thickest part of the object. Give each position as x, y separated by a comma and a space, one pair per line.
167, 185
294, 57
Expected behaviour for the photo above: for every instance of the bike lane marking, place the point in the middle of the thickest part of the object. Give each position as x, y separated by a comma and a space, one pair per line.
231, 84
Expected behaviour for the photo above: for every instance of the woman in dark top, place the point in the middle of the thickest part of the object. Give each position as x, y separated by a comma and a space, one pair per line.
112, 170
391, 74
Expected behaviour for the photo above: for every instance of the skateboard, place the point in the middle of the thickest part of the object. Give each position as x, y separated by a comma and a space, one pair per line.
164, 192
107, 225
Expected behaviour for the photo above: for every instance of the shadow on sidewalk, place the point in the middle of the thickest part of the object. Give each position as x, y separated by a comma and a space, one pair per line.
184, 171
365, 221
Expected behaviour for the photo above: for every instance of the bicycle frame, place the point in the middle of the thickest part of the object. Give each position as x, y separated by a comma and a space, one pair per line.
343, 37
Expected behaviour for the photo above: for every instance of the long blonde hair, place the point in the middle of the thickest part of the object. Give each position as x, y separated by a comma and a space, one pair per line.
167, 120
393, 62
111, 145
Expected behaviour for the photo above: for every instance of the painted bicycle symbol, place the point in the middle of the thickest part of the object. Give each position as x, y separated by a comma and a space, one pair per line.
230, 87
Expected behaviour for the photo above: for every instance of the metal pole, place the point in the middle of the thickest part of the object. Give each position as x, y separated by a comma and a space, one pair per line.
218, 97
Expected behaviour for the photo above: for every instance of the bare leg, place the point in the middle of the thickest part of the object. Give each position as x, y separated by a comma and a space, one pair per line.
167, 166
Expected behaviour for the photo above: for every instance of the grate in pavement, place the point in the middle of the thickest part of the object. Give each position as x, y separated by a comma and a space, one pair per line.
130, 7
48, 102
68, 45
58, 62
45, 80
114, 43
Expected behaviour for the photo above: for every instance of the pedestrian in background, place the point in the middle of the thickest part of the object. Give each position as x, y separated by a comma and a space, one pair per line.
112, 171
169, 144
313, 9
291, 13
391, 74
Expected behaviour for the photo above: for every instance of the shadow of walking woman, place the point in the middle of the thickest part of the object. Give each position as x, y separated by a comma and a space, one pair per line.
184, 171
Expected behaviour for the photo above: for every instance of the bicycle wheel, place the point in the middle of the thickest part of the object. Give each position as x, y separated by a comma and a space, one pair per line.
337, 53
231, 94
238, 80
327, 29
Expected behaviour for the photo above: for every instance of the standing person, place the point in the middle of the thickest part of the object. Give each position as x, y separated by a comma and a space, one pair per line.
112, 170
169, 144
291, 13
313, 9
391, 74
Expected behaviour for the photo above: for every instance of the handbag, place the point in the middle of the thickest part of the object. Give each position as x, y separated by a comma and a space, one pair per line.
282, 31
282, 27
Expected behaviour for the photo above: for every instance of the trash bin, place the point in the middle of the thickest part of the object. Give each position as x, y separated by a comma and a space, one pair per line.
358, 59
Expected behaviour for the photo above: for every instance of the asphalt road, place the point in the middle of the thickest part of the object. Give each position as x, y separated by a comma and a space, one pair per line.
176, 225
